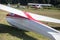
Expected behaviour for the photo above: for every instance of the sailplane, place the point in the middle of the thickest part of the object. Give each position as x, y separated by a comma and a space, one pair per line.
31, 22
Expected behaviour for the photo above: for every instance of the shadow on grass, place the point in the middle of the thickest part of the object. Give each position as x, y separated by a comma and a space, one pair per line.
57, 28
15, 32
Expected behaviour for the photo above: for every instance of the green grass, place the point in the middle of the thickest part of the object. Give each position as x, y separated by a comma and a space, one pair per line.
9, 33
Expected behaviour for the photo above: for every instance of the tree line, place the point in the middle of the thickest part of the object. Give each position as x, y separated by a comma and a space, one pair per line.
24, 2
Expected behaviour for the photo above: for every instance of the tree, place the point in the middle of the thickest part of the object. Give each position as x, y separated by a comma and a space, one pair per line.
9, 2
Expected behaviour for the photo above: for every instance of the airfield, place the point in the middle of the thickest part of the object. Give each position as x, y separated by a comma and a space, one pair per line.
7, 32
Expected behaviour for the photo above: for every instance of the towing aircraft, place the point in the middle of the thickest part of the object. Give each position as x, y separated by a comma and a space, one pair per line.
31, 22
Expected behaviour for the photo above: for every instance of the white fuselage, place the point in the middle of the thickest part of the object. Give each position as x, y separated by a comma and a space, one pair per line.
30, 25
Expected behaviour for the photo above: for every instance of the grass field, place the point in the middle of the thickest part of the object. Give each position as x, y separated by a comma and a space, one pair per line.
9, 33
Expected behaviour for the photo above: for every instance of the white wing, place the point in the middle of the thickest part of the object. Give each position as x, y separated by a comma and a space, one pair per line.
44, 18
35, 16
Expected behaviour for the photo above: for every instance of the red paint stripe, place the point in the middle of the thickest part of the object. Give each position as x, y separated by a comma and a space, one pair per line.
31, 18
